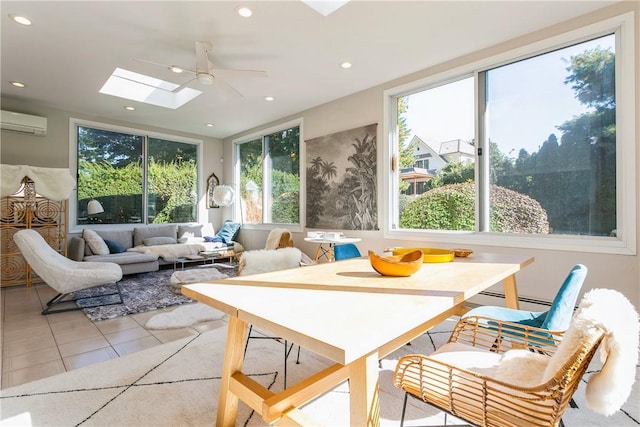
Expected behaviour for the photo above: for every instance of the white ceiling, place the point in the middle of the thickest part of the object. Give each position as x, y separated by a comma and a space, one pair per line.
73, 47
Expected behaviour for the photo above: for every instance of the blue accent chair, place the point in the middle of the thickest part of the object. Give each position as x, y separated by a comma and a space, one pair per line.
345, 251
557, 318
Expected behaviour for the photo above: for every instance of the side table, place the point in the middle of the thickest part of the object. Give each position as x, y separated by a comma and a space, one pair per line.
327, 251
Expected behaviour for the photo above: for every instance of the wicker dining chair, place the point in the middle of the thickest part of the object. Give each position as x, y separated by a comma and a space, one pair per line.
453, 380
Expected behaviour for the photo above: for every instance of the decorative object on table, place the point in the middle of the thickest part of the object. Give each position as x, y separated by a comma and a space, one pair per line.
429, 254
462, 253
212, 183
557, 318
341, 180
397, 265
513, 372
65, 276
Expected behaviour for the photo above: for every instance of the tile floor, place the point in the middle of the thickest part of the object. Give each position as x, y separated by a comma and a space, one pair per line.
34, 346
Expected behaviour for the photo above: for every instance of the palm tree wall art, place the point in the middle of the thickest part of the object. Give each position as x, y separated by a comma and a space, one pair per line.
341, 180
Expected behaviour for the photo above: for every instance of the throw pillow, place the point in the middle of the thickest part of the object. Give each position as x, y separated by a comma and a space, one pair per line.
160, 240
95, 242
114, 247
229, 231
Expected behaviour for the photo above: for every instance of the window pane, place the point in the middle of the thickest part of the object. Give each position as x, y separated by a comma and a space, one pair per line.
552, 134
172, 180
283, 175
250, 155
109, 171
437, 158
270, 178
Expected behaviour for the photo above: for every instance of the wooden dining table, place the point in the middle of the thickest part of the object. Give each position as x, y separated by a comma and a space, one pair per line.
346, 312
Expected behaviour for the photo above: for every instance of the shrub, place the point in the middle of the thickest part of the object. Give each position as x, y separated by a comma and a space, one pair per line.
451, 207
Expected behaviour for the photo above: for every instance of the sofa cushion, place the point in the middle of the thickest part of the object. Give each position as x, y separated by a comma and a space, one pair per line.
95, 242
229, 231
114, 247
124, 237
141, 233
123, 258
159, 240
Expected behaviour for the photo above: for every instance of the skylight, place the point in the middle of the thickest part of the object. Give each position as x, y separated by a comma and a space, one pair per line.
138, 87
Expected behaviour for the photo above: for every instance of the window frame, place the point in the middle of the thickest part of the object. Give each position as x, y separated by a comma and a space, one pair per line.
625, 242
236, 213
74, 227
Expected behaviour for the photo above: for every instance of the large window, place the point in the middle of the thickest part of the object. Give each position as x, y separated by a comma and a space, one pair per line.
134, 178
269, 176
531, 148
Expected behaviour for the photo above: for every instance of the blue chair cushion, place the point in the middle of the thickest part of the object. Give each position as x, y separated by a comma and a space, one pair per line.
348, 250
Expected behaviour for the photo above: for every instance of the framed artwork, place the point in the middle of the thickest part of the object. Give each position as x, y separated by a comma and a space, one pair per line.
212, 181
341, 180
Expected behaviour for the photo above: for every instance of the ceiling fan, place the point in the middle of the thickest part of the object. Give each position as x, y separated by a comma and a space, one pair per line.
205, 72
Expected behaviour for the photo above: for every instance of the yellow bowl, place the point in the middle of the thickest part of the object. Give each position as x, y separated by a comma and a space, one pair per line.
397, 265
429, 254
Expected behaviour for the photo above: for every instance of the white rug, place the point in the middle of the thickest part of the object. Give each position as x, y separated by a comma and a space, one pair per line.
184, 316
177, 384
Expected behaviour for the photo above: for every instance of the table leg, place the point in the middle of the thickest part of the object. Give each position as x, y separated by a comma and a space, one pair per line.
233, 359
363, 391
511, 292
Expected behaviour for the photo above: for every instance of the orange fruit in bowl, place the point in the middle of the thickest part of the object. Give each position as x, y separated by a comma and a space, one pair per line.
396, 265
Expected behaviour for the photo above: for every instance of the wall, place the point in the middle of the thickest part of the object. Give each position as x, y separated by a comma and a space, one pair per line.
52, 150
542, 278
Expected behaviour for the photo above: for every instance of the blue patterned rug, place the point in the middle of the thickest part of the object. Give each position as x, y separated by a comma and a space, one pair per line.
140, 292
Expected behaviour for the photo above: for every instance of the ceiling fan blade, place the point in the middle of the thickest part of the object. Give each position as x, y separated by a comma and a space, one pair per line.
237, 74
202, 60
183, 85
230, 89
152, 62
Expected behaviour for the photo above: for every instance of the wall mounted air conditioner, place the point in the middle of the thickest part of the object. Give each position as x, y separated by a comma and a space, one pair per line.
23, 123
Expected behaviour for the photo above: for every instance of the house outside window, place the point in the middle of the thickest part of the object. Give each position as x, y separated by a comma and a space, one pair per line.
136, 178
532, 149
268, 173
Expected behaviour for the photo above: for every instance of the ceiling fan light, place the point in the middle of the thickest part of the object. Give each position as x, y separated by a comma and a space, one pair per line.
205, 79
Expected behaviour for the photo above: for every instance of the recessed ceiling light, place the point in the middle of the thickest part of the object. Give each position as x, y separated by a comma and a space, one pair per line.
269, 98
244, 11
346, 65
209, 125
22, 20
18, 84
129, 108
176, 69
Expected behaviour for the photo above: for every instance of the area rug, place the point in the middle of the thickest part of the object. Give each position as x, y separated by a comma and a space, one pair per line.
178, 383
182, 317
140, 292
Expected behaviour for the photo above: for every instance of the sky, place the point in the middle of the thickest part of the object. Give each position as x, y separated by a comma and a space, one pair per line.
527, 100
